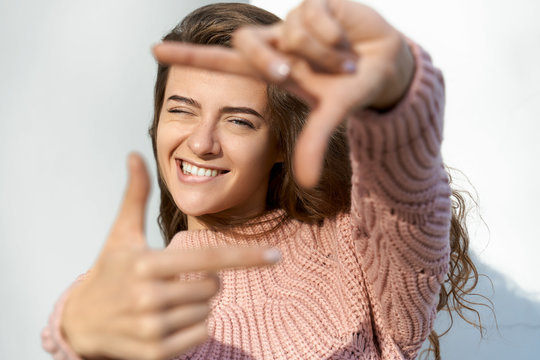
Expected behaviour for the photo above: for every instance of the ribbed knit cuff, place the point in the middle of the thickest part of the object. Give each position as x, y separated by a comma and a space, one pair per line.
421, 108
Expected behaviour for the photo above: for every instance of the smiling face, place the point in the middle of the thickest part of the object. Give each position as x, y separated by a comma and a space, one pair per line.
215, 148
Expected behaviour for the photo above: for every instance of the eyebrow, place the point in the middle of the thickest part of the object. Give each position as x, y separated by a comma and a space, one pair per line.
226, 109
186, 100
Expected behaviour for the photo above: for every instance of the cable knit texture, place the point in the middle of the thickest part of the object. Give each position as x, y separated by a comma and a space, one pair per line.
362, 285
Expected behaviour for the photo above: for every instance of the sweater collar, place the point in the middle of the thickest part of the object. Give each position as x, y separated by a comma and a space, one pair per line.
267, 229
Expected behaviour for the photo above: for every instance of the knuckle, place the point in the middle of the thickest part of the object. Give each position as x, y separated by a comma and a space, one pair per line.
151, 327
142, 267
145, 297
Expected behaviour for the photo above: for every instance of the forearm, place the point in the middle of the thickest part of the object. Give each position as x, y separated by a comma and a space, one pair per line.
400, 204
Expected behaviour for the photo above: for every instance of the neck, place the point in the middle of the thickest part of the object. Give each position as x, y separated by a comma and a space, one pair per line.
194, 224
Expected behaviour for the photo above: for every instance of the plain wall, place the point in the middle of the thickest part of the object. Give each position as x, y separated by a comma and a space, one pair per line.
76, 87
76, 84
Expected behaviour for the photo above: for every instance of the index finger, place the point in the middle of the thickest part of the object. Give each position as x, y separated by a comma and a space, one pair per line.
209, 57
170, 263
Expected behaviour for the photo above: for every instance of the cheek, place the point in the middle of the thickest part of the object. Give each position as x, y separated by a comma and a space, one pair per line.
257, 157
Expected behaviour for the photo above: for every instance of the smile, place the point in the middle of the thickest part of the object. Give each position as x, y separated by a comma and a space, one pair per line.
193, 170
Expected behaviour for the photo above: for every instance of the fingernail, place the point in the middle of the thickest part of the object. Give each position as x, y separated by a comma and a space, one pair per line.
279, 70
348, 66
272, 255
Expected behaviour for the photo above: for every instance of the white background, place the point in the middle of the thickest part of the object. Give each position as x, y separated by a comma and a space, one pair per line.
76, 84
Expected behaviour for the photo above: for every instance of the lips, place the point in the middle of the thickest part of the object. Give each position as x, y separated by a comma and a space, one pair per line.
191, 169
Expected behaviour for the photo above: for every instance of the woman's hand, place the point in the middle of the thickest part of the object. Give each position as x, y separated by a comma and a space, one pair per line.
131, 305
337, 55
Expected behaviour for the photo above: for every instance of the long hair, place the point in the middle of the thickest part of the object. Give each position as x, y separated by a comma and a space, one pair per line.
214, 25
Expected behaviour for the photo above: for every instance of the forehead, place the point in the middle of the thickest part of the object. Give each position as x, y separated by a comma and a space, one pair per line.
210, 88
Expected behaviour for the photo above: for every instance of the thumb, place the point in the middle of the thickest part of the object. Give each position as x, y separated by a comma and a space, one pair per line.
312, 143
128, 229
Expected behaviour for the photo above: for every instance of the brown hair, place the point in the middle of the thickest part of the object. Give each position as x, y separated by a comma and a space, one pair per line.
214, 25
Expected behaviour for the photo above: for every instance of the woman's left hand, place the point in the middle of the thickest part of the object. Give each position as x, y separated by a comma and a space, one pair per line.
337, 55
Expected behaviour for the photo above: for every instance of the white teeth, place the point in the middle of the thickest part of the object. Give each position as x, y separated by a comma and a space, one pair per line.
194, 170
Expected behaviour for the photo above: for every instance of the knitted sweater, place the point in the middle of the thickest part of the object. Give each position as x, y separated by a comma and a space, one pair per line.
361, 285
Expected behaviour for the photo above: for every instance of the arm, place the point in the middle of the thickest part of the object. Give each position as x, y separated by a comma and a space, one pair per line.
400, 205
342, 57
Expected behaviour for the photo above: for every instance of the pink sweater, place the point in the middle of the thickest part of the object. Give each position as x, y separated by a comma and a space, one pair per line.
363, 285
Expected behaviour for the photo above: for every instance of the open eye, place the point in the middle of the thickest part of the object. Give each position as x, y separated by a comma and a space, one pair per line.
242, 122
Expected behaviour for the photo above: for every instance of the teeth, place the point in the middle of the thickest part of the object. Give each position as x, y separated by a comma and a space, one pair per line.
197, 171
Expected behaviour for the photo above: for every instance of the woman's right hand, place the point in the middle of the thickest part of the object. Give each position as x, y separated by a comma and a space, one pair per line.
131, 304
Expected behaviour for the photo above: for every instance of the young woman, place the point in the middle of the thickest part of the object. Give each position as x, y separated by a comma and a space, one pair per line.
304, 201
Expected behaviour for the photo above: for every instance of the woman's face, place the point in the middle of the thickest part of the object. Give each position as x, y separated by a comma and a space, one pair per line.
215, 148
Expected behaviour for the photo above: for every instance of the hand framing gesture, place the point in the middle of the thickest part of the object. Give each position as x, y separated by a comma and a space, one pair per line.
337, 55
131, 305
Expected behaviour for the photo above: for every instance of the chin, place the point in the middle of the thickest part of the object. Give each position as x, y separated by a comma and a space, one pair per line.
196, 210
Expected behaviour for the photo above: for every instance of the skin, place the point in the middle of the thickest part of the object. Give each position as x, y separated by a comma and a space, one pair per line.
216, 120
130, 305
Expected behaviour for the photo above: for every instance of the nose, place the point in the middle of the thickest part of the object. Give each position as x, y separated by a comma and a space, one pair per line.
203, 141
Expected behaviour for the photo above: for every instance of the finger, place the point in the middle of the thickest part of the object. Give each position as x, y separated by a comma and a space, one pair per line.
311, 33
184, 339
155, 326
358, 21
318, 18
172, 293
129, 225
209, 57
165, 264
322, 57
312, 143
175, 344
255, 45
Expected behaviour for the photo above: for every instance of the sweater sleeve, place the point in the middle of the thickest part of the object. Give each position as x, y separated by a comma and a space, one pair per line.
401, 208
52, 339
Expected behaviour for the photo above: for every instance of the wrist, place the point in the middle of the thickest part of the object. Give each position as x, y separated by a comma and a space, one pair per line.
399, 76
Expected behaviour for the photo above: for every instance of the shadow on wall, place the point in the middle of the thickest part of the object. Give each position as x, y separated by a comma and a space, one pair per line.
517, 336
